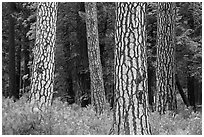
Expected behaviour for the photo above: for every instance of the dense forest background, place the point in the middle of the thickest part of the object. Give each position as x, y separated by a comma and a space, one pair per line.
71, 50
72, 75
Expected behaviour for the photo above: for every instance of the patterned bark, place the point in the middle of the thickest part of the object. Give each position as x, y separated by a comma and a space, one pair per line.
97, 84
42, 79
130, 112
165, 73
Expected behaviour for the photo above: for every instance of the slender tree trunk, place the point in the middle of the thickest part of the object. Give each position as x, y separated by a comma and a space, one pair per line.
83, 53
12, 76
76, 83
42, 79
131, 102
190, 89
97, 84
165, 73
18, 68
26, 52
81, 36
198, 92
180, 89
26, 55
69, 67
151, 85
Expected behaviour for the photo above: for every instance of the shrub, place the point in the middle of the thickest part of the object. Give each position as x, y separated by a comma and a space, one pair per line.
60, 119
185, 123
64, 119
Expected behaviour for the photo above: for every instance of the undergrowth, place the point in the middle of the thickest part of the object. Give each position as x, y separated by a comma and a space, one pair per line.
64, 119
185, 123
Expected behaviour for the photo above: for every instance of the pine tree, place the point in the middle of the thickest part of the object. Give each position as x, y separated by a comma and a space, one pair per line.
42, 78
131, 104
165, 71
95, 67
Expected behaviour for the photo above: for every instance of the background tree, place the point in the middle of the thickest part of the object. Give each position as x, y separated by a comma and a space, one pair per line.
189, 50
180, 89
72, 35
151, 28
97, 85
29, 19
131, 106
12, 75
19, 21
165, 71
83, 64
187, 45
42, 79
72, 55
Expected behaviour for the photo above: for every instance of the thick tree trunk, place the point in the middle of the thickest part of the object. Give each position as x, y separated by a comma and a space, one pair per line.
165, 73
131, 102
12, 76
42, 79
97, 84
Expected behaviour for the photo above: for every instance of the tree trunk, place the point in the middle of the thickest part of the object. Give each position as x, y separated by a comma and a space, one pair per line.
190, 89
76, 83
18, 68
151, 85
26, 52
180, 89
26, 55
12, 76
97, 84
83, 54
198, 92
165, 72
42, 79
131, 102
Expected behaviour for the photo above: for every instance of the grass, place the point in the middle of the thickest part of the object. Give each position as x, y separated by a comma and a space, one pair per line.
64, 119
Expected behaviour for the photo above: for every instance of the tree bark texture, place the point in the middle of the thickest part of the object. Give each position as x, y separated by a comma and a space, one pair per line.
131, 102
12, 76
165, 72
42, 79
95, 67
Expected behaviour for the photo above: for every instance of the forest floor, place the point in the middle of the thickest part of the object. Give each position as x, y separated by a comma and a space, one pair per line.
64, 119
